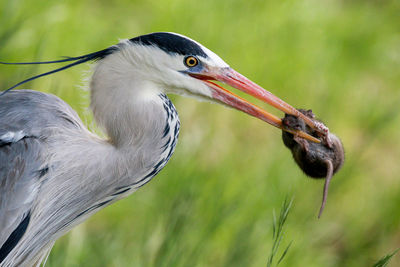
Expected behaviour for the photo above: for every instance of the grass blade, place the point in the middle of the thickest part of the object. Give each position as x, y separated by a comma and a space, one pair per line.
284, 253
384, 261
278, 233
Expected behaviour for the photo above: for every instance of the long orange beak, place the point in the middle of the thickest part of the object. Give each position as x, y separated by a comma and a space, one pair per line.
238, 81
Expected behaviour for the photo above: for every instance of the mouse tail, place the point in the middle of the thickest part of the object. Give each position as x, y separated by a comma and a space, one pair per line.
328, 179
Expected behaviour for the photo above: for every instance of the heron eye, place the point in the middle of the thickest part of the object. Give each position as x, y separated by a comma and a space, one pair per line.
191, 61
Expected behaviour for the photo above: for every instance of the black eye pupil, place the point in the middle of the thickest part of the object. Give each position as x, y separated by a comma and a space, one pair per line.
191, 61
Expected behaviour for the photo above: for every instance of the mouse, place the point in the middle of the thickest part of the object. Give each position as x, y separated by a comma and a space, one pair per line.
317, 160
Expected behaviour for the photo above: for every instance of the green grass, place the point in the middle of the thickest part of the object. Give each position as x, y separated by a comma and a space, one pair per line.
384, 261
212, 204
278, 234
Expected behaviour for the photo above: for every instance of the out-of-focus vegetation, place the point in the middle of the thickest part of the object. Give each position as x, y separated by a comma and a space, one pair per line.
212, 205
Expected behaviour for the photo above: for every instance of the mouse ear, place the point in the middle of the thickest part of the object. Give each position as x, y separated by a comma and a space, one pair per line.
326, 186
310, 114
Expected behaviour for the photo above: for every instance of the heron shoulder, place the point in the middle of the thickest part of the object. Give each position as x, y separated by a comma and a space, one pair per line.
29, 113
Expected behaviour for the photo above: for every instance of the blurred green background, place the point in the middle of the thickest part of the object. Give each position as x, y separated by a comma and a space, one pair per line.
212, 205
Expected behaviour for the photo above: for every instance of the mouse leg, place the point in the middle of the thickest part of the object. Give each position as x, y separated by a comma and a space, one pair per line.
302, 142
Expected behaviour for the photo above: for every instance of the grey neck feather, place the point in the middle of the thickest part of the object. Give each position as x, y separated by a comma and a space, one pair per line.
125, 106
134, 112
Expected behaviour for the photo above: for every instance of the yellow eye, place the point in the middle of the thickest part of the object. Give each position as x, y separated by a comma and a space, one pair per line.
191, 61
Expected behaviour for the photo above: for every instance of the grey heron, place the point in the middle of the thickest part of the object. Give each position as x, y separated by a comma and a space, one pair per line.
55, 173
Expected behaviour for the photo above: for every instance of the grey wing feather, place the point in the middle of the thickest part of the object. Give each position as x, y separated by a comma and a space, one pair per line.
20, 173
27, 118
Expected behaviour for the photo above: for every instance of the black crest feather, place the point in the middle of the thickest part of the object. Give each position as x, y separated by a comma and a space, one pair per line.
78, 60
171, 43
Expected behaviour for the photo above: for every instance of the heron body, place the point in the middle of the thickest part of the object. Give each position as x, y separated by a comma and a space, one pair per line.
55, 173
54, 147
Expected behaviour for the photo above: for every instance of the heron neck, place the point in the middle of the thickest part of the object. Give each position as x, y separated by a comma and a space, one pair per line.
140, 120
128, 108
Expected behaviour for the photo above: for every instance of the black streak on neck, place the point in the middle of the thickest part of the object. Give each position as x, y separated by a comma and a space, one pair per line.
15, 236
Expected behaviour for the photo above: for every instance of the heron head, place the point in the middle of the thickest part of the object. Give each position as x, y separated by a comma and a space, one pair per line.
173, 63
180, 65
